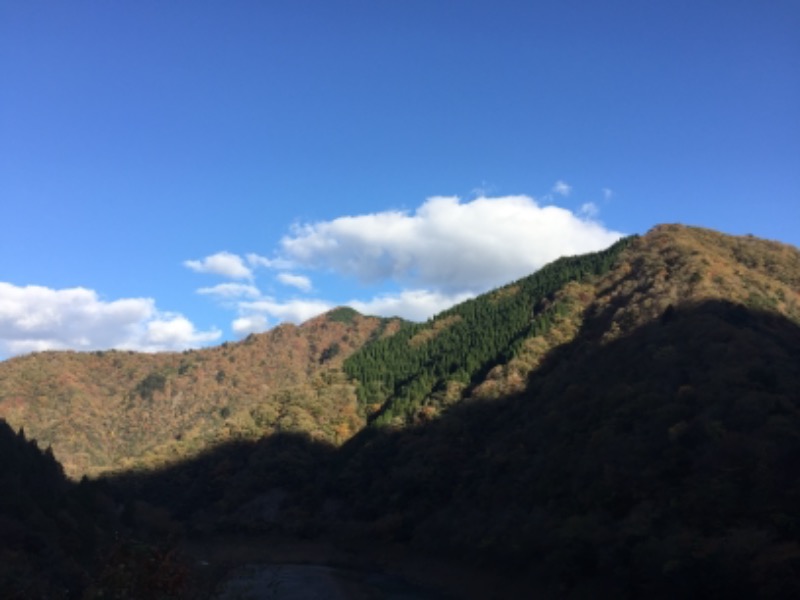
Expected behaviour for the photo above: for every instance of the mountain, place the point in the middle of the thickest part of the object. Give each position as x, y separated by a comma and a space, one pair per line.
624, 424
486, 347
424, 368
104, 411
650, 452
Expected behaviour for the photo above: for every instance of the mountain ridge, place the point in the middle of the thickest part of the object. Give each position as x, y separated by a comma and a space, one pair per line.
314, 378
107, 410
642, 443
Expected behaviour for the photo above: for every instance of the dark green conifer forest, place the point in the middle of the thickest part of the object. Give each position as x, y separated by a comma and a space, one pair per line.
399, 374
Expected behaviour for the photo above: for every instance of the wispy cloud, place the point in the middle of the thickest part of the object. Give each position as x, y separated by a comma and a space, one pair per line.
589, 210
231, 290
300, 282
483, 190
562, 188
222, 263
256, 260
34, 318
608, 193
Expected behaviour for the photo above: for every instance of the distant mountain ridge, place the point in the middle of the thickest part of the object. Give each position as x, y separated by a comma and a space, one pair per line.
109, 410
113, 410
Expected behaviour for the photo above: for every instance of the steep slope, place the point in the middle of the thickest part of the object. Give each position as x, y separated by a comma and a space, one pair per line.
673, 265
114, 410
661, 463
50, 529
426, 367
653, 455
62, 540
486, 347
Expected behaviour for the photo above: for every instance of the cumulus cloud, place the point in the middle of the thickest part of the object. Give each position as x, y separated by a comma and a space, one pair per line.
447, 245
251, 324
231, 290
293, 311
300, 282
562, 188
34, 318
414, 305
169, 331
222, 263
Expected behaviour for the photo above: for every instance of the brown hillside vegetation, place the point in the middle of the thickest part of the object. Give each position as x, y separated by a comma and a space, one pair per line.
104, 411
671, 266
674, 265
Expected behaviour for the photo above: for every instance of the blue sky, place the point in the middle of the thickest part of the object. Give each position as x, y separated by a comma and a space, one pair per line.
177, 174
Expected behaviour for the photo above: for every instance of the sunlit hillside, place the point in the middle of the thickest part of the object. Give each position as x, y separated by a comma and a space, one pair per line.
105, 411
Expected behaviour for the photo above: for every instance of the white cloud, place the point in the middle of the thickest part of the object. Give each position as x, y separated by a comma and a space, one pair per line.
294, 311
34, 318
251, 324
231, 290
608, 193
300, 282
483, 190
448, 246
256, 260
414, 305
221, 263
170, 331
562, 188
589, 210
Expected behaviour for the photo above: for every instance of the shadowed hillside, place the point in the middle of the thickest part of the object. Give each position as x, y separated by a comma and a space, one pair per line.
660, 460
658, 464
65, 540
648, 453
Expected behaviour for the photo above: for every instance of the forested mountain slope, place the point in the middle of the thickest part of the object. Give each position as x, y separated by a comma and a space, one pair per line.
650, 451
659, 463
426, 367
113, 410
642, 443
486, 347
651, 455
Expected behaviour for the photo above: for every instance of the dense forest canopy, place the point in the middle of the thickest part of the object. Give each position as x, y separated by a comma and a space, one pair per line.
401, 374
